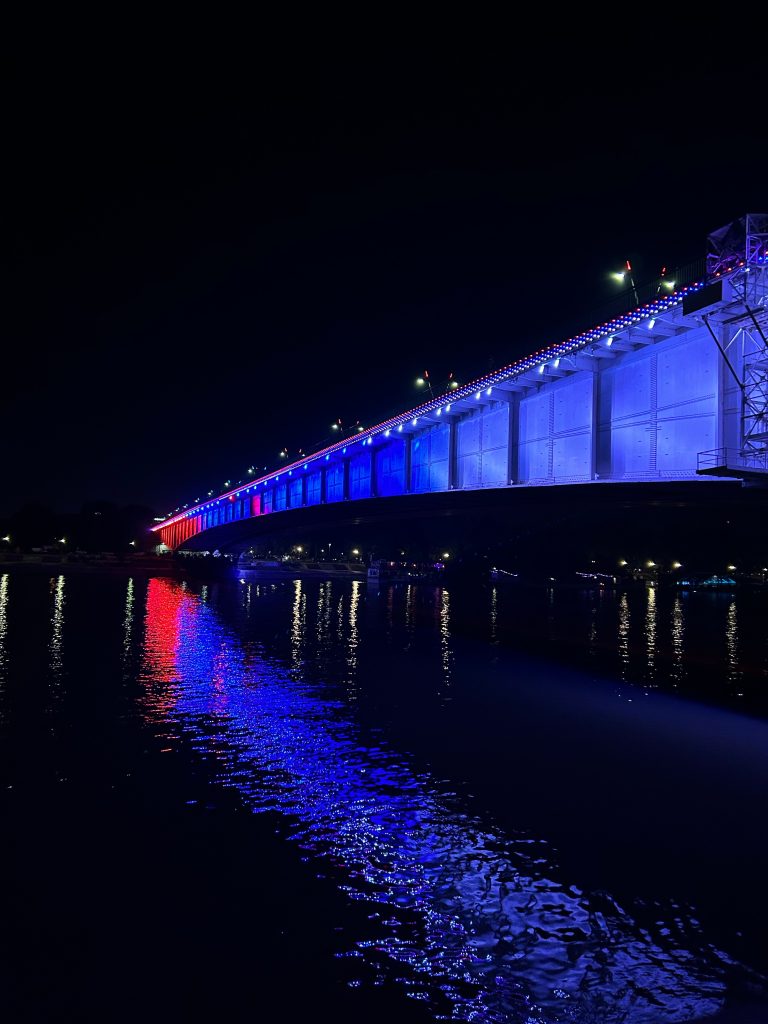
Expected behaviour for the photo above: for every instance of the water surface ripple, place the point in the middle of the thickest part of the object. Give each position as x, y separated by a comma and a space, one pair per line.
477, 924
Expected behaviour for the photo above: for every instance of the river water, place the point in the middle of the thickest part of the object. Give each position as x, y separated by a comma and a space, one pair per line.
306, 800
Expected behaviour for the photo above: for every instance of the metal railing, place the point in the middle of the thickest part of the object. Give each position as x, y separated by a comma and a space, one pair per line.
737, 459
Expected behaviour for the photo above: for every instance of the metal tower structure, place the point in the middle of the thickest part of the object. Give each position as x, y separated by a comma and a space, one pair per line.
738, 263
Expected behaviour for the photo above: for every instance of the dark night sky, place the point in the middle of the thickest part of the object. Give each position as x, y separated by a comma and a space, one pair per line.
206, 264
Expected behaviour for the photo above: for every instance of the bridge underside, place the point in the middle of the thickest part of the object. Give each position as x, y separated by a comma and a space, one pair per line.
505, 516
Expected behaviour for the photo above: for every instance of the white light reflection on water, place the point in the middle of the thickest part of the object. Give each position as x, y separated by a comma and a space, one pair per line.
323, 613
353, 639
56, 644
650, 633
446, 654
298, 623
128, 614
732, 643
678, 638
4, 582
624, 635
486, 929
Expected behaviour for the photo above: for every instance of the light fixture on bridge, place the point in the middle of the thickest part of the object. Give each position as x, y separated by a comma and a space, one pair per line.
541, 368
415, 420
609, 341
488, 391
651, 323
400, 428
387, 433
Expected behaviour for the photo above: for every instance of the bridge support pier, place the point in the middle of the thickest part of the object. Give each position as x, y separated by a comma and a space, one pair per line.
453, 457
513, 440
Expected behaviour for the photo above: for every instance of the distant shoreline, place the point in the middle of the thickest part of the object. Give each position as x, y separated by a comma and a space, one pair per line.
165, 568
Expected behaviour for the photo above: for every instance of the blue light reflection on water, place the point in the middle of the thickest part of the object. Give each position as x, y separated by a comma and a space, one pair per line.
477, 924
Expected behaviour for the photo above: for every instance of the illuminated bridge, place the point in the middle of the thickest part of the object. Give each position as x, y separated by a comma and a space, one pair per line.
674, 390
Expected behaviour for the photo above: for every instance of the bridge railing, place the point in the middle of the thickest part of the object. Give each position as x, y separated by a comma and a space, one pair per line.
737, 459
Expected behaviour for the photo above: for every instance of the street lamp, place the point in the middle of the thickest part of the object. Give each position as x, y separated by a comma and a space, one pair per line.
620, 275
425, 382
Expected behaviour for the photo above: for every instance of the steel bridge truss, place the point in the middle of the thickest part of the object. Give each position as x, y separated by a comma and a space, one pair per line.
741, 252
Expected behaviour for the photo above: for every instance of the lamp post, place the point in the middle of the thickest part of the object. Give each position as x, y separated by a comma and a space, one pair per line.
627, 273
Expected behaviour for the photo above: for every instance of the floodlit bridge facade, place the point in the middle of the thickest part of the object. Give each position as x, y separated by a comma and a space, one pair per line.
673, 390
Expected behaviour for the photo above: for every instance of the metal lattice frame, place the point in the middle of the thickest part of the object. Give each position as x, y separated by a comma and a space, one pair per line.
744, 245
